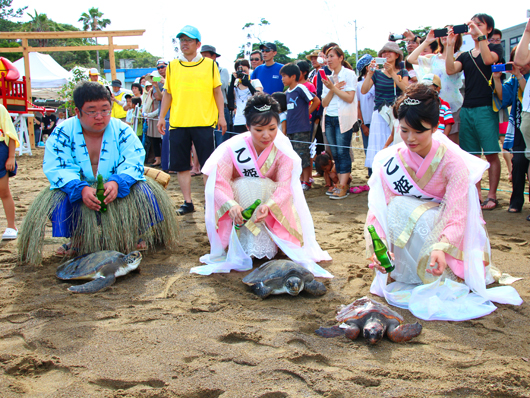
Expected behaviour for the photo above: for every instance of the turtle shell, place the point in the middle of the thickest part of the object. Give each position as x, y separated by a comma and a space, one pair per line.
274, 273
87, 265
365, 306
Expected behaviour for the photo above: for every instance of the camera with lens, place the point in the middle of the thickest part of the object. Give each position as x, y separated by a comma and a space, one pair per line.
240, 73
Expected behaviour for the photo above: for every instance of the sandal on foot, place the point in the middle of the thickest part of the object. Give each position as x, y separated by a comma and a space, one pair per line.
356, 190
487, 201
513, 210
528, 218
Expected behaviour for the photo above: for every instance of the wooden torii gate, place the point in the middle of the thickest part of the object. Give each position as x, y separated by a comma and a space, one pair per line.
25, 49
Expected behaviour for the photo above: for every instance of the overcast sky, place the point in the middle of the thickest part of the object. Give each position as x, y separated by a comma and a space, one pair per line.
300, 25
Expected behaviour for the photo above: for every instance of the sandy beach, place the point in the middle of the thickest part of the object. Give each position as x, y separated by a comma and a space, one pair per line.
163, 332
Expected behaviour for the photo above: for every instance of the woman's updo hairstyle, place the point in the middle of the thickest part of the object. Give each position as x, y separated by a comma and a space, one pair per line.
419, 103
261, 108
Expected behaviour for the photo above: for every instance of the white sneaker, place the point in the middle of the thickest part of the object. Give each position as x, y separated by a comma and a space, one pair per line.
10, 234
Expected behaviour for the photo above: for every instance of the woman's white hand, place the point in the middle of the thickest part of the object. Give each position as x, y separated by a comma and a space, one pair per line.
451, 37
235, 214
430, 37
437, 257
474, 31
377, 265
328, 83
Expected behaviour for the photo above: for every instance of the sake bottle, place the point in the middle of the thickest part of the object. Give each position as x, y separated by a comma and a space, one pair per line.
100, 193
381, 252
247, 213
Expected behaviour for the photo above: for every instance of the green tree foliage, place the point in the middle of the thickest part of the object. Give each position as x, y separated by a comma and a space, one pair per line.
6, 12
67, 91
142, 59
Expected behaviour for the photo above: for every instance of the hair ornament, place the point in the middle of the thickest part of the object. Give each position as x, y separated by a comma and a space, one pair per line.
410, 102
263, 108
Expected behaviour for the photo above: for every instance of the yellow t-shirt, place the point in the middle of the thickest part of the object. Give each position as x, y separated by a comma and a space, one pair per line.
117, 110
191, 86
7, 129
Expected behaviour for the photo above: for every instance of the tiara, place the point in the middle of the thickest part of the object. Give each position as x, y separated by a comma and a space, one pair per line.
410, 101
264, 108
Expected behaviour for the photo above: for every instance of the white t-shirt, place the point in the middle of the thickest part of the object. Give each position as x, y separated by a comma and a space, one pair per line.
242, 97
345, 75
366, 102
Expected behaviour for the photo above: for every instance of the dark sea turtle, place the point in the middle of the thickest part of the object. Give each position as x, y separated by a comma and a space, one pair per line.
374, 319
283, 276
102, 267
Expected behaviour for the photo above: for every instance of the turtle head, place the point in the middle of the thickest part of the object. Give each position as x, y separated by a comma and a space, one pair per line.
133, 260
373, 331
294, 285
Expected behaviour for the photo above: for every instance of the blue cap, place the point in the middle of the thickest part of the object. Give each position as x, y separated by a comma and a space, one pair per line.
363, 61
190, 31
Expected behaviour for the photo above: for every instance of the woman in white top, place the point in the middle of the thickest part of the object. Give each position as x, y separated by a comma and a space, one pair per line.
435, 64
365, 106
338, 99
240, 90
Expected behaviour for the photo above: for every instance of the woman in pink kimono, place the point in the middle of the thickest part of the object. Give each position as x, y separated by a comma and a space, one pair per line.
259, 164
424, 204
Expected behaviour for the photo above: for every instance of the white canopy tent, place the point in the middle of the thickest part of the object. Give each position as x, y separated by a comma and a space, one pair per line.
47, 76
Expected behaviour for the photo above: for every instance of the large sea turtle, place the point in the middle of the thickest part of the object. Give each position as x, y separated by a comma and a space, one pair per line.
102, 267
374, 319
283, 276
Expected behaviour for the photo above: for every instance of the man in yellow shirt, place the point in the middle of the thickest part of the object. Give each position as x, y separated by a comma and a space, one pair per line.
118, 101
193, 90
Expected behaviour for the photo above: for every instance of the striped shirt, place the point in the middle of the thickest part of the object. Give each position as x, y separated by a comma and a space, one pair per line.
446, 116
385, 88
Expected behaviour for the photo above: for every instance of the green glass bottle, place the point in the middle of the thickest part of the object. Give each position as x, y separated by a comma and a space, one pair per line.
247, 213
381, 252
100, 193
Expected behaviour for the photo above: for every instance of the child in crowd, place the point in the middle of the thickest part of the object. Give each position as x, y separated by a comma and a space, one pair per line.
300, 103
137, 120
326, 168
282, 100
8, 168
446, 116
129, 107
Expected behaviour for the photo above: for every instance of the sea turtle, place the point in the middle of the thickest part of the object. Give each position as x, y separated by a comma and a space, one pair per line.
102, 267
283, 276
374, 319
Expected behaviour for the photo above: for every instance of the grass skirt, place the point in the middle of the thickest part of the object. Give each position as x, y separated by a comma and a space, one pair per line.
139, 215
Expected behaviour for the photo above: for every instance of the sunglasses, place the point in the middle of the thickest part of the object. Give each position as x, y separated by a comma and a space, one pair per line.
266, 50
161, 67
255, 59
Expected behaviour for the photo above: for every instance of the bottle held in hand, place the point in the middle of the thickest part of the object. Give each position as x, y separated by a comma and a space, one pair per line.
100, 193
381, 252
247, 213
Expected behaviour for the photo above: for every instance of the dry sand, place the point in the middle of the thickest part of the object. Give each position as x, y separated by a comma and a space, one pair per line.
163, 332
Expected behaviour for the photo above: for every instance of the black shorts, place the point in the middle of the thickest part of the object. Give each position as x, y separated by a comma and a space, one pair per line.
180, 140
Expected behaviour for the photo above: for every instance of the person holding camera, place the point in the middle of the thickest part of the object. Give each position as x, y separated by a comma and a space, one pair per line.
435, 64
389, 82
479, 123
240, 90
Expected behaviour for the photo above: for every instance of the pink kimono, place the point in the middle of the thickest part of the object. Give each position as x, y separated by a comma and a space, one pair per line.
419, 205
238, 176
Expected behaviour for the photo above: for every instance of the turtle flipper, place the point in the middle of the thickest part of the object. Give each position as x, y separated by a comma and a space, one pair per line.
94, 286
316, 288
333, 331
260, 290
403, 333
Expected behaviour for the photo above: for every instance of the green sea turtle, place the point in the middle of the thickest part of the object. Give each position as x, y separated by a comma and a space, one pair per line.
102, 267
283, 276
374, 319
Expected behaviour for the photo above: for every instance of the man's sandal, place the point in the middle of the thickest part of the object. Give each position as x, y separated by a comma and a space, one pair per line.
487, 201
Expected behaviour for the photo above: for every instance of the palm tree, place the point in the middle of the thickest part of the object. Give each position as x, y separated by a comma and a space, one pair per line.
93, 21
39, 23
